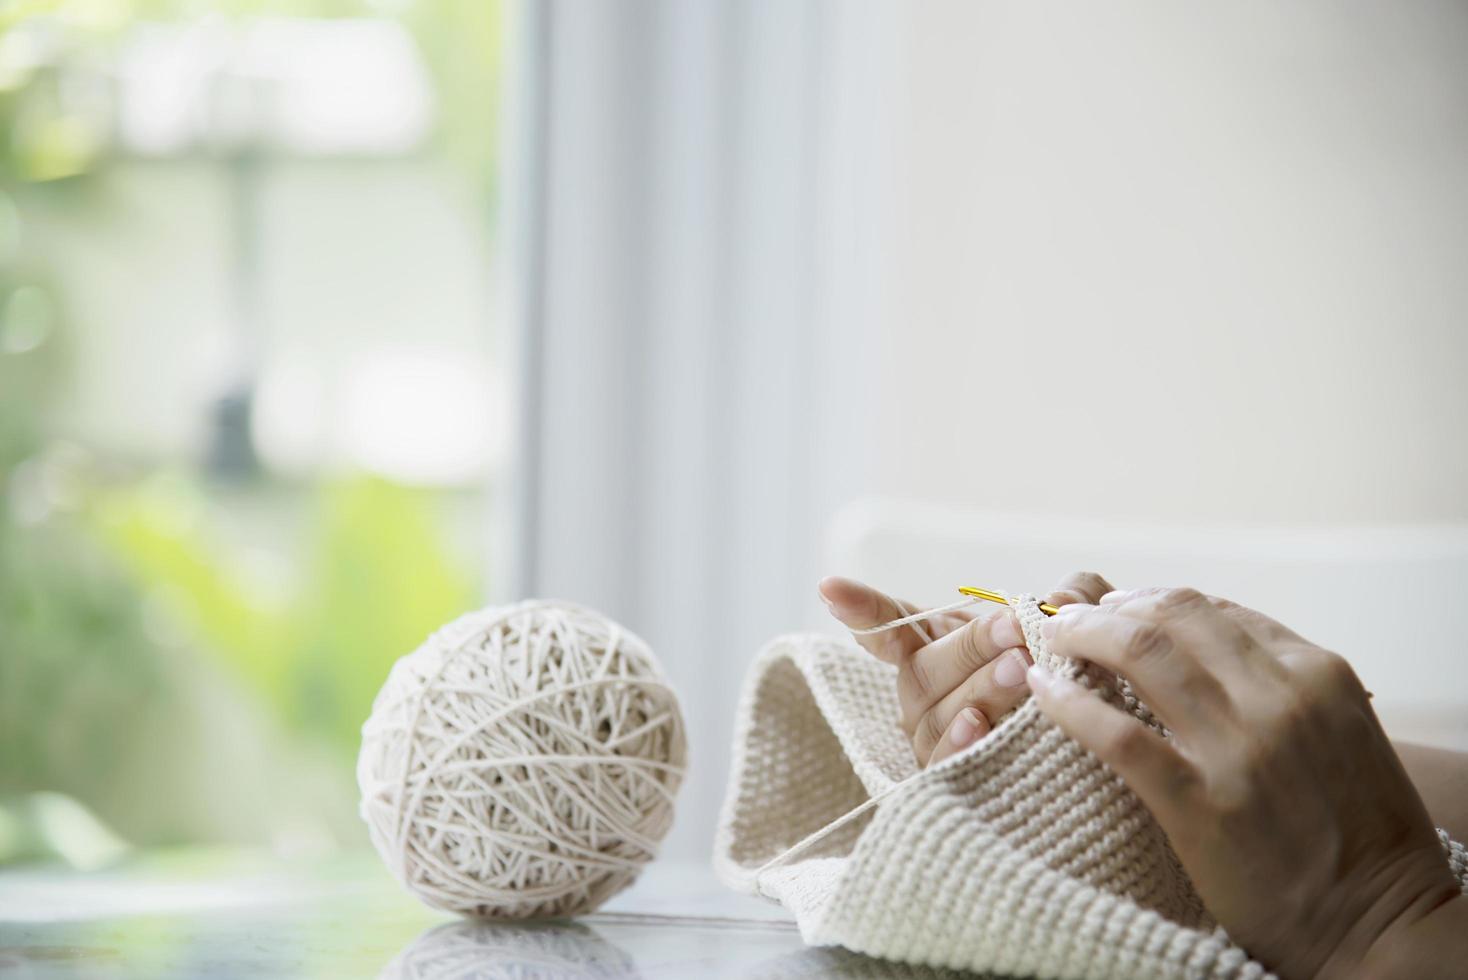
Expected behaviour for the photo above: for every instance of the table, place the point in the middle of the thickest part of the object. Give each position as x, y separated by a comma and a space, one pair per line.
232, 914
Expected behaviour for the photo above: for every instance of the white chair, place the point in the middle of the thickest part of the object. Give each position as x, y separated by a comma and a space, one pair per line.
1393, 600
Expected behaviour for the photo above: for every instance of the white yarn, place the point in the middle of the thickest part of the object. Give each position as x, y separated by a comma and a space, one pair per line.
522, 762
1022, 855
822, 833
916, 618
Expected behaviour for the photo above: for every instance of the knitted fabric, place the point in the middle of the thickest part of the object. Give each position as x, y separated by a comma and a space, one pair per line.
1023, 855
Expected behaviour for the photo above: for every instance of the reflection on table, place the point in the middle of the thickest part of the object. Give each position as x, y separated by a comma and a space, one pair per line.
239, 915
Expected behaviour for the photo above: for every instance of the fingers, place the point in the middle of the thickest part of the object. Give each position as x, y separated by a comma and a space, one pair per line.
860, 606
1261, 626
1086, 587
1154, 770
1168, 675
1230, 640
934, 671
966, 728
990, 692
945, 623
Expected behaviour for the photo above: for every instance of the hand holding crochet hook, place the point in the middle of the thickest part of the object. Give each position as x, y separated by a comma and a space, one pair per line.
955, 687
1290, 809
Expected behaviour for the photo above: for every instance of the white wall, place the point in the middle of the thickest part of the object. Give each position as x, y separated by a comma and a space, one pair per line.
1189, 262
784, 256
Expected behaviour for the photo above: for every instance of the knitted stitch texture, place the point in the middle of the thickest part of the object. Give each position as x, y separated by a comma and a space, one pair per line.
1023, 855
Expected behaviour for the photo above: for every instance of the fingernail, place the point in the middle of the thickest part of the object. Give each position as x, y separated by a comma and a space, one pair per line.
1071, 608
831, 606
1111, 597
1040, 679
965, 728
1005, 631
1048, 628
1010, 670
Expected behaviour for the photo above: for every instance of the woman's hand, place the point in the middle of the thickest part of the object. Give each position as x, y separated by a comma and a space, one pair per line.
953, 689
1278, 788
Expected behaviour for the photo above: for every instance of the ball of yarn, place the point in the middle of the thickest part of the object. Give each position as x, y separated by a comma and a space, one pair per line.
522, 762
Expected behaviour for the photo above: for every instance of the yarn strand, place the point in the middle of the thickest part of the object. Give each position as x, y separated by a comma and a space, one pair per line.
916, 617
815, 837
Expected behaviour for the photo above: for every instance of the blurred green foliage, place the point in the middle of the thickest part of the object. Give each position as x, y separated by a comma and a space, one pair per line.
75, 660
377, 578
113, 588
123, 595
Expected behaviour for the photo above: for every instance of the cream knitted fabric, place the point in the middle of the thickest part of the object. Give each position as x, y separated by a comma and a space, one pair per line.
1023, 855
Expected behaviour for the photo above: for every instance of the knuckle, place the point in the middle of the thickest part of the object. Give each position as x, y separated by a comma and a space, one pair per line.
1087, 587
1203, 688
978, 693
918, 680
1179, 600
1183, 781
1334, 673
932, 726
1259, 755
1126, 746
929, 732
972, 652
1338, 668
1091, 585
975, 691
1230, 796
1146, 643
1295, 716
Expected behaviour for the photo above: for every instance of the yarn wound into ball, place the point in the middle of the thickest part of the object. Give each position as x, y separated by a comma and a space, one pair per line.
522, 762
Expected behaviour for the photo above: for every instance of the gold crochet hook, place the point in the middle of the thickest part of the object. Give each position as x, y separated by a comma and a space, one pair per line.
1001, 598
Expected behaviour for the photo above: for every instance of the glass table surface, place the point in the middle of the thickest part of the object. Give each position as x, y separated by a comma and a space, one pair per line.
193, 914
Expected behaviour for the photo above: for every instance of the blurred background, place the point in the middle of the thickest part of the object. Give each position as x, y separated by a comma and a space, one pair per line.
253, 405
323, 322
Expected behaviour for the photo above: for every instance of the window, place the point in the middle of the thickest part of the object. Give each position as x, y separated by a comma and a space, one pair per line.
253, 421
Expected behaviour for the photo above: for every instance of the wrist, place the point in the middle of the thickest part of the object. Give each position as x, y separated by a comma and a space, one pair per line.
1431, 940
1414, 924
